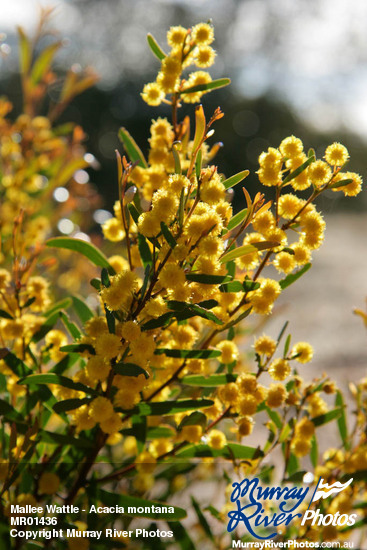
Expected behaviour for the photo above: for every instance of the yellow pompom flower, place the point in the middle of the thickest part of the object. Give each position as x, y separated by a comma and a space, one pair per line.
148, 224
82, 420
247, 383
284, 262
300, 447
228, 394
279, 369
165, 205
120, 290
336, 154
195, 79
247, 405
319, 173
305, 428
171, 66
304, 351
289, 205
56, 339
160, 447
168, 82
153, 94
113, 230
176, 36
263, 299
130, 331
302, 254
245, 426
264, 345
171, 276
97, 368
301, 182
112, 424
95, 326
353, 188
270, 176
126, 399
276, 395
100, 409
108, 345
263, 222
216, 439
229, 351
48, 483
204, 56
291, 147
203, 33
192, 434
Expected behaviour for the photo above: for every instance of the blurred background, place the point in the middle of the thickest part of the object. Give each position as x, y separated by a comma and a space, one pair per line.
297, 67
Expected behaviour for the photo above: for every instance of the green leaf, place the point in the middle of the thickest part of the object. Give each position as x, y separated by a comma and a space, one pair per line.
196, 418
205, 279
202, 520
237, 219
238, 319
327, 417
176, 156
230, 451
161, 321
82, 310
160, 431
314, 453
286, 345
105, 279
155, 47
247, 249
110, 320
78, 348
96, 283
43, 62
340, 183
86, 249
144, 250
129, 369
70, 326
171, 407
293, 465
249, 286
134, 212
342, 421
5, 314
25, 52
214, 84
298, 170
200, 128
128, 502
182, 537
139, 427
290, 279
233, 286
234, 180
69, 405
198, 164
168, 235
274, 416
16, 365
208, 382
46, 327
189, 353
132, 149
61, 439
53, 378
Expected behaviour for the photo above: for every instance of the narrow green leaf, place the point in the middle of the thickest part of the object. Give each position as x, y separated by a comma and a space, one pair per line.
155, 47
206, 279
159, 322
96, 283
160, 431
238, 319
168, 235
327, 417
298, 170
230, 451
182, 537
249, 285
129, 369
198, 163
25, 52
176, 156
70, 326
247, 249
82, 310
234, 180
110, 321
132, 149
84, 248
105, 279
145, 253
290, 279
16, 365
78, 348
43, 62
208, 381
214, 84
61, 439
237, 219
340, 183
5, 314
274, 416
69, 405
314, 453
53, 378
233, 286
171, 407
202, 520
342, 421
134, 212
286, 345
189, 353
139, 426
197, 418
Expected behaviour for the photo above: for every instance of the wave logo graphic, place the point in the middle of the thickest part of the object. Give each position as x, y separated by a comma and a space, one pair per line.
324, 490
